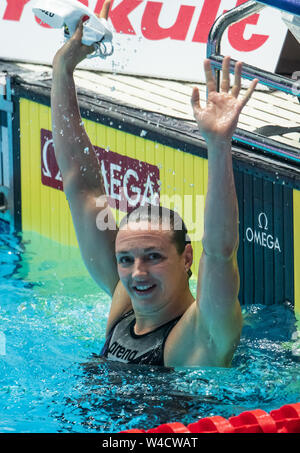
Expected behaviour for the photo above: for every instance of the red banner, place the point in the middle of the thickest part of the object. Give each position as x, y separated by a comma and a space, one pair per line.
128, 182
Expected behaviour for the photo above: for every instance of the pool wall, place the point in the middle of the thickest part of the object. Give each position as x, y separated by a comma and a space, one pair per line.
145, 153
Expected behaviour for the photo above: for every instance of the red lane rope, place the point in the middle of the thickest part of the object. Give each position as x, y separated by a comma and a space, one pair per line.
283, 420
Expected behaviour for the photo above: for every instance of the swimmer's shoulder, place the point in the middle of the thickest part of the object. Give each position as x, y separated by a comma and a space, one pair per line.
189, 343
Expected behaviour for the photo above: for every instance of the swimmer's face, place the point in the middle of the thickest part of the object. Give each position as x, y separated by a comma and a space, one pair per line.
149, 265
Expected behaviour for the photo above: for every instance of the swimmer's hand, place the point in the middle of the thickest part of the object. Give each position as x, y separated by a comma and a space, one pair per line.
73, 51
218, 120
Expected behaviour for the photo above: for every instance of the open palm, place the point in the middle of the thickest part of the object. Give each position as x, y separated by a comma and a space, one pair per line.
219, 118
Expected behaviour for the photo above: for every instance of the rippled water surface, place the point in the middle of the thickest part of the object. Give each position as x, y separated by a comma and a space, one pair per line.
52, 321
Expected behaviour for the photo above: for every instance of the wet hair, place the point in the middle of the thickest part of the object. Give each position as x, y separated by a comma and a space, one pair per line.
161, 215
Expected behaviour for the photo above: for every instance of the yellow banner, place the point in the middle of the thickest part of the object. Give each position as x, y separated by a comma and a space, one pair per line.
181, 185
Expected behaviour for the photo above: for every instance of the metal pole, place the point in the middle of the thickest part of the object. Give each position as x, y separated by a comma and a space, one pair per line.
213, 52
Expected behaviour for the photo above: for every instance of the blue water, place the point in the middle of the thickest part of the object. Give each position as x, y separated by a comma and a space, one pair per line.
52, 321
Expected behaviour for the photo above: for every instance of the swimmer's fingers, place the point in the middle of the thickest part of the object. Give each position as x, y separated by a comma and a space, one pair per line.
210, 80
235, 91
79, 29
249, 92
225, 84
105, 10
79, 33
195, 99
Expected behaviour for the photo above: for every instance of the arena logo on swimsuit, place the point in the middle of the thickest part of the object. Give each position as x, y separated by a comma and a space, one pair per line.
121, 352
128, 182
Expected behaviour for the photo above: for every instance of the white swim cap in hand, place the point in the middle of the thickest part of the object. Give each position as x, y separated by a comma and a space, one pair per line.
67, 13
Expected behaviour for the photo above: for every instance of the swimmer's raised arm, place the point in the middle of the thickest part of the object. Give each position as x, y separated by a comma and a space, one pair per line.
218, 279
217, 122
82, 179
215, 318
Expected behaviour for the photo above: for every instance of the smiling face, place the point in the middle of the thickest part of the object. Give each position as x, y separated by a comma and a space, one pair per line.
150, 267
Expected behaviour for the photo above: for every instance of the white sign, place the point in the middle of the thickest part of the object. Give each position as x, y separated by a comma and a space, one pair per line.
165, 39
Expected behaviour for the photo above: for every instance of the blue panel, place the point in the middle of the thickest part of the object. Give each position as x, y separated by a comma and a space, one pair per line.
290, 6
279, 255
265, 254
288, 219
239, 183
258, 251
248, 246
268, 226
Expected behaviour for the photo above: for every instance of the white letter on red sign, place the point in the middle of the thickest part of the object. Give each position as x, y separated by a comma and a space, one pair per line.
136, 190
114, 181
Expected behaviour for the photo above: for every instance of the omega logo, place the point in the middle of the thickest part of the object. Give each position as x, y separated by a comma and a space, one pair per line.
261, 237
45, 167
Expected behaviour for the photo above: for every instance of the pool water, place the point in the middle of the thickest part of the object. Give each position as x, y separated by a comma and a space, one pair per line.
52, 322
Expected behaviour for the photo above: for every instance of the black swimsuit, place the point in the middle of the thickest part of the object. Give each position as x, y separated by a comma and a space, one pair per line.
123, 345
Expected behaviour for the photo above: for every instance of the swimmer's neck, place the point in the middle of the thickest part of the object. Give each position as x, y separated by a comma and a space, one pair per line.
147, 321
